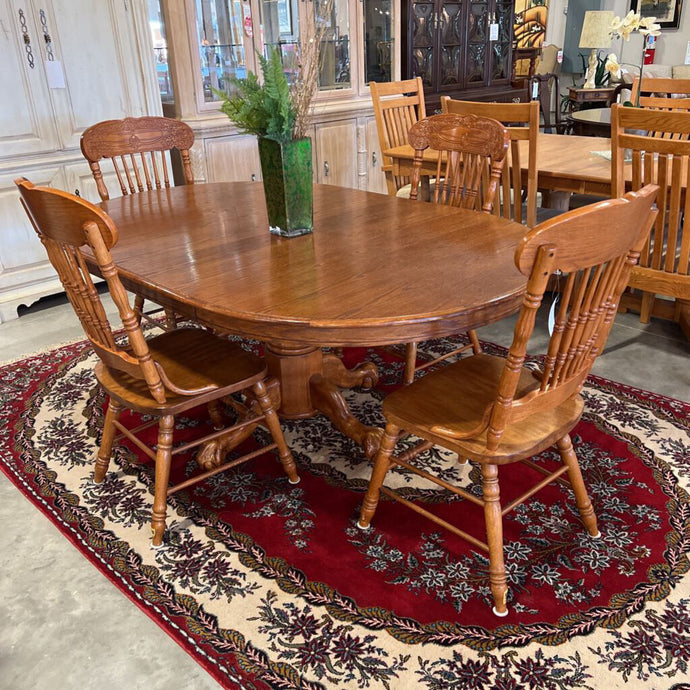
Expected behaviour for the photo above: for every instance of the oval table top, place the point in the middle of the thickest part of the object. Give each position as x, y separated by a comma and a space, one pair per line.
376, 270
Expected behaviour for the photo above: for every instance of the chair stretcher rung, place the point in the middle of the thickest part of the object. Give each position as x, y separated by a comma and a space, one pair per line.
221, 468
550, 478
436, 519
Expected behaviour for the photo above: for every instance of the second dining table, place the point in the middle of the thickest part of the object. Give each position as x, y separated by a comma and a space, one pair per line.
376, 270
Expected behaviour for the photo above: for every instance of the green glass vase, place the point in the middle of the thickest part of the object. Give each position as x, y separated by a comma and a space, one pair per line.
286, 168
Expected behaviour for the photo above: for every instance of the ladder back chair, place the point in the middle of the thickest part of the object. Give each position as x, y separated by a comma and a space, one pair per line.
515, 201
397, 106
469, 169
136, 148
161, 377
664, 266
494, 410
660, 94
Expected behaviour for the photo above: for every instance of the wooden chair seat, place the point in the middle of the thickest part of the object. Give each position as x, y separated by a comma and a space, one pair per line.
193, 359
496, 410
451, 402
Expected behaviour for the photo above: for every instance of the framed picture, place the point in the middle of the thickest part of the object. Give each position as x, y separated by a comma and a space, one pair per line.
667, 12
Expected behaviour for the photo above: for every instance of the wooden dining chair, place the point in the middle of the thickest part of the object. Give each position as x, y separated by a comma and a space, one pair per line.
161, 377
664, 266
397, 106
468, 172
137, 149
660, 87
494, 410
516, 200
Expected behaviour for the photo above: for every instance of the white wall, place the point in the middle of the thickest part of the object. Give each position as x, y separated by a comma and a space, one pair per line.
670, 46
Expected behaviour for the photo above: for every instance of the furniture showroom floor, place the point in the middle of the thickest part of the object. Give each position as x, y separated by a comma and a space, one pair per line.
81, 632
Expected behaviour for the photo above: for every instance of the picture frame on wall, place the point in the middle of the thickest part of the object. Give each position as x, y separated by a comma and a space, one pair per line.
667, 12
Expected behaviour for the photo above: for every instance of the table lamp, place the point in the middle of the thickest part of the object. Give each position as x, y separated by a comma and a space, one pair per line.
596, 33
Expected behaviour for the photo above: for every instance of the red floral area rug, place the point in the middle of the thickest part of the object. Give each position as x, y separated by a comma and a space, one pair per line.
269, 585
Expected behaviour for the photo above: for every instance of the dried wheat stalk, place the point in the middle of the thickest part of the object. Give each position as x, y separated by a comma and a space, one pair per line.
304, 87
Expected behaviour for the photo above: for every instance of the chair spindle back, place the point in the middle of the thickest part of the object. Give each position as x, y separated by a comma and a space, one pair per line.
593, 268
522, 122
397, 106
469, 172
137, 150
665, 260
65, 224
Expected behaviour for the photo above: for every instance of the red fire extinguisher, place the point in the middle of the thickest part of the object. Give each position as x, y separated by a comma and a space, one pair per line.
649, 49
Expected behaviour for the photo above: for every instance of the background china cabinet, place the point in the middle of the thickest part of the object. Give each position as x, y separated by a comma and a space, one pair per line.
462, 49
65, 65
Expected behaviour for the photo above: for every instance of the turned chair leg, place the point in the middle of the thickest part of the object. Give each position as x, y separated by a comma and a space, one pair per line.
410, 363
381, 467
166, 425
474, 340
584, 505
286, 459
170, 320
106, 448
494, 538
138, 307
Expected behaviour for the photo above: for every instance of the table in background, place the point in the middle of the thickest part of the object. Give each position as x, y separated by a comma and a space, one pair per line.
376, 270
595, 122
565, 163
581, 98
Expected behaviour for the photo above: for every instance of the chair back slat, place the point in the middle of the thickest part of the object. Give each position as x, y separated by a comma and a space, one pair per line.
397, 106
67, 225
665, 161
522, 122
131, 146
469, 173
593, 270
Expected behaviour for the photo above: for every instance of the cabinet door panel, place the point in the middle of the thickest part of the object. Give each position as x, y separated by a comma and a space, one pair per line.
26, 125
25, 272
232, 159
376, 180
336, 153
95, 42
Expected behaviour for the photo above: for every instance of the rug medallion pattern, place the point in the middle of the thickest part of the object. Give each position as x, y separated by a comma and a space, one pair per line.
272, 585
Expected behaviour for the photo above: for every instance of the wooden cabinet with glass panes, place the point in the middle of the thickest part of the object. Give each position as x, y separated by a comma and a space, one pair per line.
461, 49
208, 42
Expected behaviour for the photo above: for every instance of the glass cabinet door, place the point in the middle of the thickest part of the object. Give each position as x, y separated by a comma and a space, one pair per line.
423, 41
501, 48
222, 35
378, 40
335, 30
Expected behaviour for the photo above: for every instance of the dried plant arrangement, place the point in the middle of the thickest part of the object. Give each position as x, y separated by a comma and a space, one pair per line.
274, 108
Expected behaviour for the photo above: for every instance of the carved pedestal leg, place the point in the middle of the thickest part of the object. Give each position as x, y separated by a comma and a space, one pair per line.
310, 382
328, 399
365, 375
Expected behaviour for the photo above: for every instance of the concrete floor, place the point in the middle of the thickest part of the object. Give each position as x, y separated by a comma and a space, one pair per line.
63, 625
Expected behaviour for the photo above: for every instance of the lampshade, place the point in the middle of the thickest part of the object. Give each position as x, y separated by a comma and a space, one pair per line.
596, 29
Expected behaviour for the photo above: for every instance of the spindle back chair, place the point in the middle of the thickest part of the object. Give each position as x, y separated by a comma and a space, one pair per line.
494, 410
137, 148
473, 151
397, 106
664, 266
161, 377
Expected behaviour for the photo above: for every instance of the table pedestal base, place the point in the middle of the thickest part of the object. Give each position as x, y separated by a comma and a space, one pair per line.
310, 382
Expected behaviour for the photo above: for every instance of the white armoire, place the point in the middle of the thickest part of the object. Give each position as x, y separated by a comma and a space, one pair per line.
66, 64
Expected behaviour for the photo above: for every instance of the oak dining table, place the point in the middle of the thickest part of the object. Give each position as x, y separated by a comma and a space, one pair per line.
376, 270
